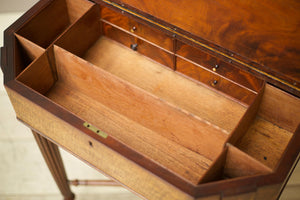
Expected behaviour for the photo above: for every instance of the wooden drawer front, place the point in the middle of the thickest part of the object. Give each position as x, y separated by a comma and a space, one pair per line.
215, 81
224, 69
142, 47
141, 30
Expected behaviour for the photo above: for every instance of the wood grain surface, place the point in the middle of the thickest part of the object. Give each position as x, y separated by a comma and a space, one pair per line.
143, 47
265, 32
218, 66
139, 105
33, 50
38, 75
215, 81
108, 161
145, 31
173, 88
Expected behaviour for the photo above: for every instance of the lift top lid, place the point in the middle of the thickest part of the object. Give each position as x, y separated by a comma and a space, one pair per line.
261, 36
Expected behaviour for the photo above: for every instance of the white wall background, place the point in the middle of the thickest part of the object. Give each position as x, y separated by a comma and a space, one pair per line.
15, 5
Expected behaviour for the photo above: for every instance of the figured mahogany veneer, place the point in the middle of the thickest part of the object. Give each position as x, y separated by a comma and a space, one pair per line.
178, 121
263, 36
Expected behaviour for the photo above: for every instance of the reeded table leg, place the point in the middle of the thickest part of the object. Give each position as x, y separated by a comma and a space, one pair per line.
53, 159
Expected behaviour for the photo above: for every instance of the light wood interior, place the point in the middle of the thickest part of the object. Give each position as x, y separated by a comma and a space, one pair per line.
38, 75
239, 164
77, 8
152, 145
25, 52
82, 89
280, 108
271, 131
47, 25
164, 83
265, 142
145, 73
143, 107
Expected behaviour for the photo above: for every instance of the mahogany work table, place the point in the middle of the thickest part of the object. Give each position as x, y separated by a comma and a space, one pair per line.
171, 99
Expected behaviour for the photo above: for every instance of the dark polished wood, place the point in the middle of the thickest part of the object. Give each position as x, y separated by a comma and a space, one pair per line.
215, 81
54, 161
214, 64
139, 29
265, 36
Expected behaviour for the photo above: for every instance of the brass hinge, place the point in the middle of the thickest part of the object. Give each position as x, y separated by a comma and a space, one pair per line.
95, 130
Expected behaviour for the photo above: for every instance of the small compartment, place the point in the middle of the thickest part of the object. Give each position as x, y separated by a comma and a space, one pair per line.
56, 17
233, 163
268, 136
32, 50
26, 52
38, 75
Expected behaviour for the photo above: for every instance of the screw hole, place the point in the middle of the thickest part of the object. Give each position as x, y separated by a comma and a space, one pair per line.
98, 131
88, 125
265, 158
134, 47
90, 143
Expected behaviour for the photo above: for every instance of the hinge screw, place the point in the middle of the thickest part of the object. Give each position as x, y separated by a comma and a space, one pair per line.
215, 68
133, 29
214, 82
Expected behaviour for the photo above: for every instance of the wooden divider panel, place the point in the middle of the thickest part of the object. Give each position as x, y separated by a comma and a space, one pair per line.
38, 75
32, 49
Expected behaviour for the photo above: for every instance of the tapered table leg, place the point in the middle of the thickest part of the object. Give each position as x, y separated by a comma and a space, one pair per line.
54, 161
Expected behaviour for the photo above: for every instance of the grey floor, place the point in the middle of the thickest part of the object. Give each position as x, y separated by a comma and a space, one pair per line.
25, 176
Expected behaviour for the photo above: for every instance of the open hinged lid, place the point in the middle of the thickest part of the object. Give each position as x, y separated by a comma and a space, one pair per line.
260, 37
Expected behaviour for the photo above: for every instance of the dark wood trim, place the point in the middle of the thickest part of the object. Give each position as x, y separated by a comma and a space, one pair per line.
3, 58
